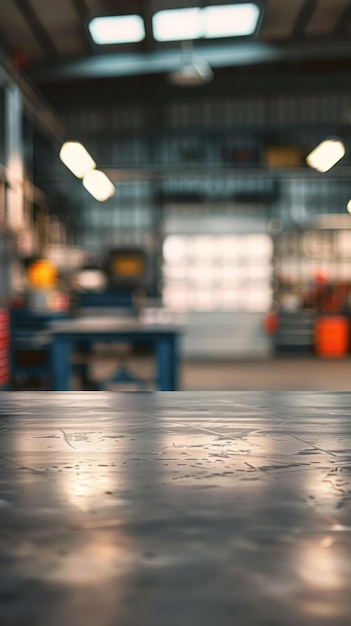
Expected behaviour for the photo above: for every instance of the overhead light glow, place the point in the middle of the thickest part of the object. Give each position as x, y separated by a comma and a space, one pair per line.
91, 279
349, 206
236, 20
231, 20
117, 29
98, 185
76, 158
177, 24
326, 155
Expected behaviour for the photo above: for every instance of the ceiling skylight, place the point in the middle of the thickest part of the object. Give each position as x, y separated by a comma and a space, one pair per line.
230, 20
236, 20
117, 29
177, 24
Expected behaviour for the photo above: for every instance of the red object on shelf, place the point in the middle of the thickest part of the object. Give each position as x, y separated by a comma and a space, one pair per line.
271, 323
4, 347
332, 336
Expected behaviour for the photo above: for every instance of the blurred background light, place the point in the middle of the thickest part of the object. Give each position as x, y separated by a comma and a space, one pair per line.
231, 20
177, 24
90, 279
326, 155
98, 185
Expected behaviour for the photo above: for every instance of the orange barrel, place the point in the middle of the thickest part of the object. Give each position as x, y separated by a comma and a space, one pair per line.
331, 336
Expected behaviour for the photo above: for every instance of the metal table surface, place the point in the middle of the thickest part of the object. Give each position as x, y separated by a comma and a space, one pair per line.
175, 508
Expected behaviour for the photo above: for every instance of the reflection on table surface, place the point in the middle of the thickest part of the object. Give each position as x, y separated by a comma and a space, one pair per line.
193, 508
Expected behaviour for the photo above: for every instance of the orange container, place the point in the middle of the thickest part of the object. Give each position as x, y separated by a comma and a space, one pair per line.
332, 336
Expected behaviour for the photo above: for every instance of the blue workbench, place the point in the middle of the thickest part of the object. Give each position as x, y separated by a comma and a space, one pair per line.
163, 340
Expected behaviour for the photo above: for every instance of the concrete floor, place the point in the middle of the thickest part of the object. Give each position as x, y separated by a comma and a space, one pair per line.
281, 373
290, 374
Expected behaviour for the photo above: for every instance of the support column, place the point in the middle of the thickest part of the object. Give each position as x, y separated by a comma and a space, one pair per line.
14, 157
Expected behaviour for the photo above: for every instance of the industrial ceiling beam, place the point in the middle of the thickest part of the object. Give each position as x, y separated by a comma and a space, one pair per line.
303, 18
38, 30
82, 12
343, 26
146, 14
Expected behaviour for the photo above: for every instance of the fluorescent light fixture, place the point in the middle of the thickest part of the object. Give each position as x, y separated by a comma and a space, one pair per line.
76, 158
236, 20
177, 24
98, 185
349, 206
117, 29
326, 155
232, 20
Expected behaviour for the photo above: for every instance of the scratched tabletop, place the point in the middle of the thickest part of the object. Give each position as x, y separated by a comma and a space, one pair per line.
175, 509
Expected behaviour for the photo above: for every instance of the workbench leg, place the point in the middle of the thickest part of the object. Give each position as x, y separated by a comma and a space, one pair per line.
60, 357
167, 364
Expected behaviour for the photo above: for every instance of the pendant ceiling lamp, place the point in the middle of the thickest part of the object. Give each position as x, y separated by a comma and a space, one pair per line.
193, 72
